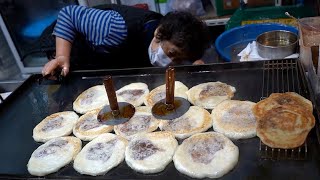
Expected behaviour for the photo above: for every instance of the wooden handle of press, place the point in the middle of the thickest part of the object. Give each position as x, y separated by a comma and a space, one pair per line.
170, 78
113, 102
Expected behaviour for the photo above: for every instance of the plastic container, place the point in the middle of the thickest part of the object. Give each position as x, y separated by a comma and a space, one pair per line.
269, 15
231, 42
310, 31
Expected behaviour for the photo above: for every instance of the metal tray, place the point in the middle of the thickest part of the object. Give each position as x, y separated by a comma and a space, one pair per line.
31, 102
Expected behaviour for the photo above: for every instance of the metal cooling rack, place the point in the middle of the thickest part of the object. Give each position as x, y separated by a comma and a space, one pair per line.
281, 76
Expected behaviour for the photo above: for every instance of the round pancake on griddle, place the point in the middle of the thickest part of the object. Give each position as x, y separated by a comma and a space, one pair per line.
53, 155
100, 155
284, 127
234, 119
209, 95
92, 98
150, 152
159, 93
88, 126
287, 99
208, 154
195, 120
141, 122
133, 93
55, 125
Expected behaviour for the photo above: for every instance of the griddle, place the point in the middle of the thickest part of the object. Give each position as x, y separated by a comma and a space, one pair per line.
31, 102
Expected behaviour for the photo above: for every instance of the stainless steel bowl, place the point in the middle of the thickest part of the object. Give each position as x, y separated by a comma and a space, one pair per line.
277, 44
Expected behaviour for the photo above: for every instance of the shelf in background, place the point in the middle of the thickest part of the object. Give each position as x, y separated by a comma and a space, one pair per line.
216, 21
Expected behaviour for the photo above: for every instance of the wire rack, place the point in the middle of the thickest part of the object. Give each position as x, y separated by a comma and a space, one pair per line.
281, 76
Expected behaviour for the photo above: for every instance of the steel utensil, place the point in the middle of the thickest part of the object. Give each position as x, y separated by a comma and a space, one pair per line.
115, 113
276, 44
171, 107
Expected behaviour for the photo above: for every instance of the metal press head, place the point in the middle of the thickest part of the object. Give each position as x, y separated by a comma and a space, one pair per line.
115, 113
171, 107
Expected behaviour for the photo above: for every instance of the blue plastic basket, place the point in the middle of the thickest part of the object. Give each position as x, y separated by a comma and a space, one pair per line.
231, 42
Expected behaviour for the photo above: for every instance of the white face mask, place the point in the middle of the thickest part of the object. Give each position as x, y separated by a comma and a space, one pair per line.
158, 57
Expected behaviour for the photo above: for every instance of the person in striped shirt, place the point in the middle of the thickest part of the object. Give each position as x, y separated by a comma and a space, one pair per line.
115, 36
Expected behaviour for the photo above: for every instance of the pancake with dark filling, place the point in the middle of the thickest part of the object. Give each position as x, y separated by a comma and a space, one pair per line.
89, 127
92, 98
141, 122
234, 119
151, 152
206, 155
56, 125
133, 93
209, 95
159, 93
53, 155
100, 155
195, 120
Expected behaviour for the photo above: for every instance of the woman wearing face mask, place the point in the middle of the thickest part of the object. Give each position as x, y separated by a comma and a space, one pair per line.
116, 36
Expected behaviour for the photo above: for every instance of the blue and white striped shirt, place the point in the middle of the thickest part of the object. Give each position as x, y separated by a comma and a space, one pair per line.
100, 27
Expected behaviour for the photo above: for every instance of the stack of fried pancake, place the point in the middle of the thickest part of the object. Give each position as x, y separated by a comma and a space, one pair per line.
284, 120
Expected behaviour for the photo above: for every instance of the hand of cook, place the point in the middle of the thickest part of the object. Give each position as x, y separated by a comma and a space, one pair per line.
59, 63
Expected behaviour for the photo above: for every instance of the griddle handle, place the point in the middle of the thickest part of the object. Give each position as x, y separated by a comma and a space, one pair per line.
113, 102
170, 78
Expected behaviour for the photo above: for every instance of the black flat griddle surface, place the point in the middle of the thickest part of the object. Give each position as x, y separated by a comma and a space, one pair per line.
32, 102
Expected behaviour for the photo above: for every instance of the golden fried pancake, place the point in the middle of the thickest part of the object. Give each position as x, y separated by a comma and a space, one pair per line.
141, 122
284, 127
195, 120
92, 98
287, 99
150, 152
208, 154
209, 95
159, 93
234, 119
53, 155
133, 93
56, 125
88, 126
100, 155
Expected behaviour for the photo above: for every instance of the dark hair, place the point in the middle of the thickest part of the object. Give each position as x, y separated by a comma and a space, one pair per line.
186, 32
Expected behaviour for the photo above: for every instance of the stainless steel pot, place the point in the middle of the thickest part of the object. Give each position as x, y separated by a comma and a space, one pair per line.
277, 44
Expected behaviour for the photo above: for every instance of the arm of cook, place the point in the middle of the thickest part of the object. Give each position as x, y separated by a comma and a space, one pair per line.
99, 27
